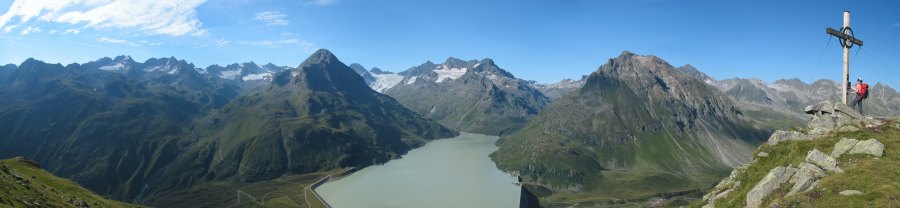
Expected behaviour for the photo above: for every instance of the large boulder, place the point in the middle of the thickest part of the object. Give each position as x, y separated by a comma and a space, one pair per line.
870, 146
805, 178
823, 161
781, 136
771, 182
843, 146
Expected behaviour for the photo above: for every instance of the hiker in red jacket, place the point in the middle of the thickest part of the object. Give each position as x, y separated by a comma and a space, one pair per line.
862, 92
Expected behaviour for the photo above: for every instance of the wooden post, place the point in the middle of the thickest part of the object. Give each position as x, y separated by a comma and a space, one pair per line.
847, 41
846, 59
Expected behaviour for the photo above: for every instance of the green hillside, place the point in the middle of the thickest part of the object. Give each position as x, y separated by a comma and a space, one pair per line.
25, 184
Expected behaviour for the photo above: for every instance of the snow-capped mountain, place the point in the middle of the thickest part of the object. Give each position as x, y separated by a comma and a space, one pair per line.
244, 71
473, 96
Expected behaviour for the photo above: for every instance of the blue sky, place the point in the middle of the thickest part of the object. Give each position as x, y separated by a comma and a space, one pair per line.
543, 40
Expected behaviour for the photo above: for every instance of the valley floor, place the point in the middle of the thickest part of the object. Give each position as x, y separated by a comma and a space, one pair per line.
285, 191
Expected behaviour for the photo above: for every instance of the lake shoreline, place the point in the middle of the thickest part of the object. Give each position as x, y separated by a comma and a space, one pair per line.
460, 166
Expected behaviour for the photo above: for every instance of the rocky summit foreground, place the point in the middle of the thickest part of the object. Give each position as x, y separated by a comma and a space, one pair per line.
842, 159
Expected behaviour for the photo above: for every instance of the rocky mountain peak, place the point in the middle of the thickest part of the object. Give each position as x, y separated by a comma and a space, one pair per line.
320, 57
455, 63
322, 71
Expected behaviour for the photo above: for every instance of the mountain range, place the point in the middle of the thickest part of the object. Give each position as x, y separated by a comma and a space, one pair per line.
139, 131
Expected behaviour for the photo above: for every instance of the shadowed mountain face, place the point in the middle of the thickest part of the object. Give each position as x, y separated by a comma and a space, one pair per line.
145, 130
472, 96
637, 127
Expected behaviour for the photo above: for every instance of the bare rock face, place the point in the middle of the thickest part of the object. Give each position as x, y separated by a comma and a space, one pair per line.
842, 147
872, 147
823, 161
805, 178
771, 182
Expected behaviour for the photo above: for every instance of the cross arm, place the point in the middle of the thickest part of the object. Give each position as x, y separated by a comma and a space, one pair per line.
843, 36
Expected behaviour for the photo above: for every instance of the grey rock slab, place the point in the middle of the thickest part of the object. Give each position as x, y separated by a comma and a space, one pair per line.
762, 154
823, 161
842, 147
803, 180
850, 192
771, 182
871, 146
780, 136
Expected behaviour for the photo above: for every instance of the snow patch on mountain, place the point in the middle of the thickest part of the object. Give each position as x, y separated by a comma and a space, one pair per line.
114, 67
167, 69
445, 72
260, 76
386, 81
230, 74
411, 80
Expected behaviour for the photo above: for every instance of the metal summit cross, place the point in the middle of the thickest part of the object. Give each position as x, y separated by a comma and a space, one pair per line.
847, 42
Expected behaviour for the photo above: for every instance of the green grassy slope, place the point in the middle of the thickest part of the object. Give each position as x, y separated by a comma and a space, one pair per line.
24, 184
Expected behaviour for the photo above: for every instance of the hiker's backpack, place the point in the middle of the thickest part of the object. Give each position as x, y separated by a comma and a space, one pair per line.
864, 90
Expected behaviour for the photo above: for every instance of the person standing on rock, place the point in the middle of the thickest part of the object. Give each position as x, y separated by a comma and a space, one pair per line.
862, 92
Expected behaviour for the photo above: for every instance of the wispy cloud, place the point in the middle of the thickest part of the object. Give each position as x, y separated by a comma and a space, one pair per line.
272, 18
278, 43
158, 17
72, 31
222, 42
127, 42
30, 30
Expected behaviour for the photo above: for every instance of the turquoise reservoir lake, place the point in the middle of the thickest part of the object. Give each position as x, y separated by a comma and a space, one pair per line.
455, 172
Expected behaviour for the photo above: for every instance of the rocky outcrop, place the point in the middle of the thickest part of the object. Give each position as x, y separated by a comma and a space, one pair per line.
829, 116
769, 183
804, 177
872, 147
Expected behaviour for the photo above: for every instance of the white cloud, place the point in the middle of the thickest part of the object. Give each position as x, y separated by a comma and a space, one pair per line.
127, 42
73, 31
272, 18
158, 17
30, 30
278, 43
